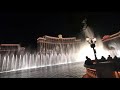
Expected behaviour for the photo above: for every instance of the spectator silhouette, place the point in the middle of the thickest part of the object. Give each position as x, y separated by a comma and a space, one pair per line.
103, 59
109, 58
116, 59
116, 63
88, 61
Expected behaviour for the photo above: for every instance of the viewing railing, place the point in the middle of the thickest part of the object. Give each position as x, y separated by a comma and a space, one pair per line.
102, 68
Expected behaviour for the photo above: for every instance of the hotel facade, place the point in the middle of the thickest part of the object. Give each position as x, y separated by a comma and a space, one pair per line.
112, 43
50, 44
11, 48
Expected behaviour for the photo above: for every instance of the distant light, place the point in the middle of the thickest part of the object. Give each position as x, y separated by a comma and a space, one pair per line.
87, 39
94, 39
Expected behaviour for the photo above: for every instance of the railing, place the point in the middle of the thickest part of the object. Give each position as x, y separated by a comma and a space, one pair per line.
92, 71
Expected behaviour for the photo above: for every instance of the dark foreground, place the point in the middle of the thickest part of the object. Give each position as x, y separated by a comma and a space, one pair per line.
75, 70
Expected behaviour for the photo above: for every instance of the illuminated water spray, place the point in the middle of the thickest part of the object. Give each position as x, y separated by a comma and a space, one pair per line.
26, 61
101, 50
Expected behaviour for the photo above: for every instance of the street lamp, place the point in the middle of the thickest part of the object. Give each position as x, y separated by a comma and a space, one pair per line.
92, 42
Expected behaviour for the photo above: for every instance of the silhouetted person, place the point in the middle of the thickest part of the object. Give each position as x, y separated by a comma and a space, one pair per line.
88, 61
103, 59
116, 63
115, 58
109, 58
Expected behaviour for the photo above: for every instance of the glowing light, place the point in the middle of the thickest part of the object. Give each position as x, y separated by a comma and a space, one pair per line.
94, 39
87, 39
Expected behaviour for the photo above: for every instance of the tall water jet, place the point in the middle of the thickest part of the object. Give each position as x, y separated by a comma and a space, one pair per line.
85, 49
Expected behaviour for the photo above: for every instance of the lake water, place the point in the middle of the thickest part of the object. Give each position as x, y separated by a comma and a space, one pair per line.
73, 70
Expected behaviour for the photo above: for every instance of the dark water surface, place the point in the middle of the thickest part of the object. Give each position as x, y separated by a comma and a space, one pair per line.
74, 70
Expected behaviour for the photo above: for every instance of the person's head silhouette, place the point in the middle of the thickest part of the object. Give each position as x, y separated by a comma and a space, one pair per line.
115, 57
102, 57
86, 57
109, 56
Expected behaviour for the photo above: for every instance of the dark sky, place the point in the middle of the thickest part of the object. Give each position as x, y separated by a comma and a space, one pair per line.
25, 28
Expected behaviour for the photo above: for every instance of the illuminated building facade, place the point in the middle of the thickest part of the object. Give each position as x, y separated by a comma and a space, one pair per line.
49, 44
112, 39
5, 48
112, 43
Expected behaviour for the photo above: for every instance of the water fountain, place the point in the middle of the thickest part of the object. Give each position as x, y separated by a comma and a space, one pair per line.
14, 62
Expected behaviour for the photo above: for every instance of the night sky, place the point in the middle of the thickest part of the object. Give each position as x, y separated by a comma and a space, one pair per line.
25, 28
